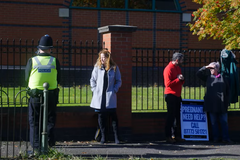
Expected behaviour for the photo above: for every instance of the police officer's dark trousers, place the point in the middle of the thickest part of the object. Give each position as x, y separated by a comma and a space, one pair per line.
34, 114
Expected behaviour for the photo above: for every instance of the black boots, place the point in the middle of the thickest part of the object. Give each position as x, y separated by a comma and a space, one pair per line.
115, 131
102, 124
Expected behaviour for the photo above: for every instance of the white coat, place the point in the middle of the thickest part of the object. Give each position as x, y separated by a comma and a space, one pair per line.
96, 83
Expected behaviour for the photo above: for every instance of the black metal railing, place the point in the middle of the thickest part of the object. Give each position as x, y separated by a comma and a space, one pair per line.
76, 59
148, 84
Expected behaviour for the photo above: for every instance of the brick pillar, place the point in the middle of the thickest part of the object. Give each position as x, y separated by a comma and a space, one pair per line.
118, 40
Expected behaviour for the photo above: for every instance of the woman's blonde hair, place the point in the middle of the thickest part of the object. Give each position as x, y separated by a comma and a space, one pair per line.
109, 63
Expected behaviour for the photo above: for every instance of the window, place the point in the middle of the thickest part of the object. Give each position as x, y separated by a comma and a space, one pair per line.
112, 3
148, 5
165, 5
84, 3
140, 4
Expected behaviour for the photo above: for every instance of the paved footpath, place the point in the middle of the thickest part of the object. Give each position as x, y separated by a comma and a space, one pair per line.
186, 150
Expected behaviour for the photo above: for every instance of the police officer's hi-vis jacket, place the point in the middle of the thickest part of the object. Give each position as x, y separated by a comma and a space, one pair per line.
40, 69
43, 70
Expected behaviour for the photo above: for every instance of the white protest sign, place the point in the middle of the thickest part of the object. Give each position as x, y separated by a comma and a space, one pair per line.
194, 124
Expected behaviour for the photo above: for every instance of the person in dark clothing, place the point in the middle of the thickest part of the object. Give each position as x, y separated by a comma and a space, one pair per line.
216, 99
105, 82
40, 69
173, 81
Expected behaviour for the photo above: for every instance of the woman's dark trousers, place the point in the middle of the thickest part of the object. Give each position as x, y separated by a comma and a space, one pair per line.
102, 120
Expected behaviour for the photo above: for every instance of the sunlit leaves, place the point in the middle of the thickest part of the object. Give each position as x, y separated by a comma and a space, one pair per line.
219, 19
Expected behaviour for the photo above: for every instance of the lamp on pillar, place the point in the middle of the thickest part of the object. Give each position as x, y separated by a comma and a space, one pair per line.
118, 40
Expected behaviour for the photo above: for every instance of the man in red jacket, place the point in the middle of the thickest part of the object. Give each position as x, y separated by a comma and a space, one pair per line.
173, 81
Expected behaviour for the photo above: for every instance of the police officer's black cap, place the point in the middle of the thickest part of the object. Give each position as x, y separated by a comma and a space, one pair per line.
45, 42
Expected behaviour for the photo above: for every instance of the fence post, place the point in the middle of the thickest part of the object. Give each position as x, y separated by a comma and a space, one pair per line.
118, 40
44, 144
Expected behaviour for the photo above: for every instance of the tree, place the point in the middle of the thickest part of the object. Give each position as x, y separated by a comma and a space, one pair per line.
219, 19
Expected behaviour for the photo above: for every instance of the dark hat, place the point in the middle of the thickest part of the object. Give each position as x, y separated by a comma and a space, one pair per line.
45, 42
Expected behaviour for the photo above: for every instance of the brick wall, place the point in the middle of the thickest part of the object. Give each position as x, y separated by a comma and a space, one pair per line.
80, 123
30, 19
190, 5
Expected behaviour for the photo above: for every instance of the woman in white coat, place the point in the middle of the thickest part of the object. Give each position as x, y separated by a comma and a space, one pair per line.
105, 82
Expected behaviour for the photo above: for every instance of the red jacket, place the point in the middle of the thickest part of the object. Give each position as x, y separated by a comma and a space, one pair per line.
172, 84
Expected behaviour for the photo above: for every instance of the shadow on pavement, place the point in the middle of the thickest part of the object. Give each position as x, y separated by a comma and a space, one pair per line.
203, 150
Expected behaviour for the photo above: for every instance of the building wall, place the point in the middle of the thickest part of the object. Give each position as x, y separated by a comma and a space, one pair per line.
29, 20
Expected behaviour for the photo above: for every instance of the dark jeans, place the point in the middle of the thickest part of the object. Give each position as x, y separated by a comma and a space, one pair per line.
223, 118
173, 109
35, 120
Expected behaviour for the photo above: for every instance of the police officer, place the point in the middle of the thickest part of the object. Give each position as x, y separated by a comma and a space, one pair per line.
40, 69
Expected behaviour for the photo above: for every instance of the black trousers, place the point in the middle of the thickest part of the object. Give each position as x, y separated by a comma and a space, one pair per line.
173, 112
103, 120
35, 120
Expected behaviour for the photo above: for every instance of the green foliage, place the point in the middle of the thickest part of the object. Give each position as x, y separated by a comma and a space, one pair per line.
99, 158
53, 154
218, 19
